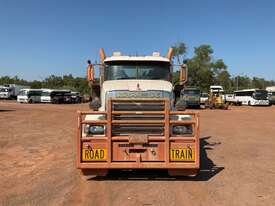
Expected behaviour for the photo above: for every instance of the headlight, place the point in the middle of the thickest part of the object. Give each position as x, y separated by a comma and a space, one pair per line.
182, 129
94, 130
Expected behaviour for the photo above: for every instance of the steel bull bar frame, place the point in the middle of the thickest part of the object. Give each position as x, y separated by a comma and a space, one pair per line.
139, 160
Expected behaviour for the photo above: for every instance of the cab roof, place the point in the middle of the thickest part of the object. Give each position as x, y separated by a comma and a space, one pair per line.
136, 58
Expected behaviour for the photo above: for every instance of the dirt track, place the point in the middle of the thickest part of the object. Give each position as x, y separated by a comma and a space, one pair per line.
37, 162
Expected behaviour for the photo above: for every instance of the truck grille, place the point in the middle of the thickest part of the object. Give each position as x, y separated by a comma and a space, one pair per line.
136, 106
139, 107
125, 130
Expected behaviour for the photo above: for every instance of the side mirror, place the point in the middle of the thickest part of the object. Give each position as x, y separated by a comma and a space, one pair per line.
90, 72
183, 74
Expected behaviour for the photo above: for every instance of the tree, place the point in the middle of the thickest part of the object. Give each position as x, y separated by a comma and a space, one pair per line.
199, 68
36, 84
204, 71
179, 52
203, 54
258, 83
223, 78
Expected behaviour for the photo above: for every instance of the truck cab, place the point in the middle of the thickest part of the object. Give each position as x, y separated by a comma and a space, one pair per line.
132, 123
191, 97
29, 96
4, 92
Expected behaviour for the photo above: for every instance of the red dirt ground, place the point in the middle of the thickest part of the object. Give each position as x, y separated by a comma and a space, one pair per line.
37, 162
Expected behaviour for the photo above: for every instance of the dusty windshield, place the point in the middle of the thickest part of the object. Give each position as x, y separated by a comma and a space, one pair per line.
137, 70
195, 92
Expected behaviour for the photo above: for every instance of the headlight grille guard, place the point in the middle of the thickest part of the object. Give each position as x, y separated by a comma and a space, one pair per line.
170, 119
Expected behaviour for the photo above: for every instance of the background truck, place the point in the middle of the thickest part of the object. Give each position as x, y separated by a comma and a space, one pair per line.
132, 123
191, 97
29, 96
204, 97
14, 89
4, 92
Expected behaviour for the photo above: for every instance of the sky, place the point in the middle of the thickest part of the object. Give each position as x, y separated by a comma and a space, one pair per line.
39, 38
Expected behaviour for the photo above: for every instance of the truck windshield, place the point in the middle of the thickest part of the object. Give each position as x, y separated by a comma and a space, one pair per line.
23, 93
260, 95
137, 70
4, 90
195, 92
58, 93
44, 94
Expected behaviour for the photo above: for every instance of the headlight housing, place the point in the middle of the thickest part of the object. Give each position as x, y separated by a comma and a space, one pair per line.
94, 129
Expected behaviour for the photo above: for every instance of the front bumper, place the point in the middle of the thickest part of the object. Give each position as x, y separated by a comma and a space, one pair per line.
136, 151
4, 96
22, 100
261, 102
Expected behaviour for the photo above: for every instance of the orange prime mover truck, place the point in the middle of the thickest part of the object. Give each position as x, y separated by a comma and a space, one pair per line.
133, 122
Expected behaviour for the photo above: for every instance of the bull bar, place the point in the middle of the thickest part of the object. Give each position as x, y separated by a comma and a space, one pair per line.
166, 141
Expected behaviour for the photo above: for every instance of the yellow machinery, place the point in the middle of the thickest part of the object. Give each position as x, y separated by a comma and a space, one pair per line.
216, 98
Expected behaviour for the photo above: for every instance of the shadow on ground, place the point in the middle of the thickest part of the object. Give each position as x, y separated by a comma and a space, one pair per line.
207, 169
7, 110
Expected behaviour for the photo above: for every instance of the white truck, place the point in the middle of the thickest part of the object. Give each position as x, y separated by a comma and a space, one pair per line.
29, 96
4, 92
14, 89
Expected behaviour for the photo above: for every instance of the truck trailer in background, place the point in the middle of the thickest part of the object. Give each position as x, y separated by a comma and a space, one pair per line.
14, 89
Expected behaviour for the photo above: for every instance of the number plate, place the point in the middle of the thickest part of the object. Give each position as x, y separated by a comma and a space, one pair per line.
94, 154
182, 154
